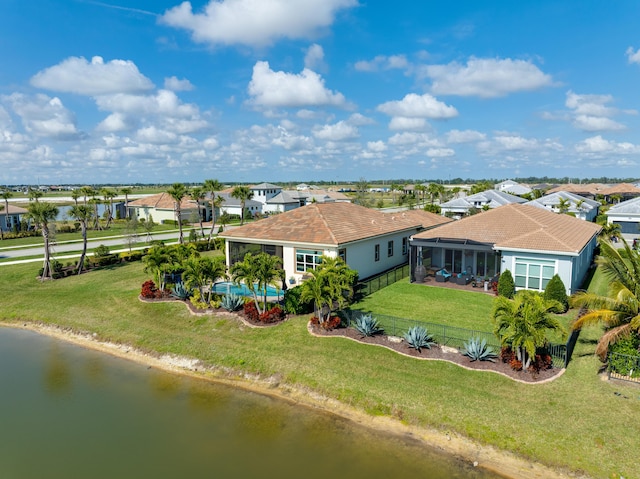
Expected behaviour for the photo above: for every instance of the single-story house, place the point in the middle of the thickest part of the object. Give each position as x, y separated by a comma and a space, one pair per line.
583, 208
10, 218
488, 199
626, 215
233, 206
588, 190
161, 207
620, 192
369, 241
533, 243
512, 187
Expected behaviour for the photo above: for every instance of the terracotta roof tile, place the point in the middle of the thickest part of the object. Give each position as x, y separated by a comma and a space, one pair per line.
324, 223
162, 201
518, 226
621, 189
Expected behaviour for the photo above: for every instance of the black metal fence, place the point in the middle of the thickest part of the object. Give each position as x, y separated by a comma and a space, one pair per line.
445, 335
376, 283
623, 366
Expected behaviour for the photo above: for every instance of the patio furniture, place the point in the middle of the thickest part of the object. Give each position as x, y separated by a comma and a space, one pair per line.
442, 275
463, 279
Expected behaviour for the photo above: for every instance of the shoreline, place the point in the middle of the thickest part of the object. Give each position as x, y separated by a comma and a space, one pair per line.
501, 462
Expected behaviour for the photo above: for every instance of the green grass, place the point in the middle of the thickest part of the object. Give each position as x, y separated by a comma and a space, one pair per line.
575, 422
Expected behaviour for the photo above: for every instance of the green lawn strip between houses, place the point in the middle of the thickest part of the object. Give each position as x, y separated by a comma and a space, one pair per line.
574, 422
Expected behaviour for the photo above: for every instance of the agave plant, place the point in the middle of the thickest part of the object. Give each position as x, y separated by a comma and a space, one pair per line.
367, 325
232, 302
180, 291
417, 337
478, 350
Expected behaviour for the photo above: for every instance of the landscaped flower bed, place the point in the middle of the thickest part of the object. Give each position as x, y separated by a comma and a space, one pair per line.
442, 353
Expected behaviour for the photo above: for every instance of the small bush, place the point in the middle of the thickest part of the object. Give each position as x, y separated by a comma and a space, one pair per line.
367, 325
555, 290
332, 323
197, 301
292, 303
149, 289
417, 337
506, 285
625, 365
251, 312
131, 256
232, 302
101, 251
180, 291
478, 350
272, 315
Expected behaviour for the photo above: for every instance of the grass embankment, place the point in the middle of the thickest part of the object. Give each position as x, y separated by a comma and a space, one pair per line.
575, 422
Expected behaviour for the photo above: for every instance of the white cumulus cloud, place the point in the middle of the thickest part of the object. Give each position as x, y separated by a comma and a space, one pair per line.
403, 123
314, 58
486, 77
418, 106
383, 62
77, 75
440, 152
255, 23
44, 116
269, 88
337, 132
633, 57
591, 113
175, 84
464, 136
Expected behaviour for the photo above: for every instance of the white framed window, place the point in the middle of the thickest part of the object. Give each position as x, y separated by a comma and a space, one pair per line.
533, 273
307, 259
390, 248
377, 252
405, 245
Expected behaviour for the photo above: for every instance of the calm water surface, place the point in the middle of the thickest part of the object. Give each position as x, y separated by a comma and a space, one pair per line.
67, 412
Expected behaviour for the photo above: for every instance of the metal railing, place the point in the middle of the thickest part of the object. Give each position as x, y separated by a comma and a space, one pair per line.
444, 335
623, 366
376, 283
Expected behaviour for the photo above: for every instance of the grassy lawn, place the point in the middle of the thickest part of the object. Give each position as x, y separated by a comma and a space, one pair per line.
575, 422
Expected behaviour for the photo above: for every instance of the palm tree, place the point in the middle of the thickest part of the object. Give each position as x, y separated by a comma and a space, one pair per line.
242, 193
619, 310
75, 194
563, 205
83, 214
211, 187
610, 230
157, 262
34, 194
108, 195
5, 195
257, 272
330, 286
178, 191
87, 191
202, 272
42, 214
198, 193
522, 323
94, 203
422, 190
126, 191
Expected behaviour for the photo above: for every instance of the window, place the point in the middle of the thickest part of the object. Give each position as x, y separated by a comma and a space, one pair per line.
377, 252
342, 254
390, 249
307, 259
533, 273
405, 245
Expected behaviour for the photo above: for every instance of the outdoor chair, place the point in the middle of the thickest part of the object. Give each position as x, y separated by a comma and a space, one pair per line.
442, 276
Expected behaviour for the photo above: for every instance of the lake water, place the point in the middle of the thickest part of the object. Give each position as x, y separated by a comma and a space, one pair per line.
63, 212
69, 412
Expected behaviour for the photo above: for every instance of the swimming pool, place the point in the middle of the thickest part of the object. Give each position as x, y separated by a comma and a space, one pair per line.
227, 287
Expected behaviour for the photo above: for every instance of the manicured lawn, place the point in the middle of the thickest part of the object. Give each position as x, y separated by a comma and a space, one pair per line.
575, 422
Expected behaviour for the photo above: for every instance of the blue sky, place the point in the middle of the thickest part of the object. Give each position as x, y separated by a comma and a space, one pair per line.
303, 90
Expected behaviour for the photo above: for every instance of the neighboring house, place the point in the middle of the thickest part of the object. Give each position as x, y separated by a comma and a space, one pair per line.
587, 190
263, 192
161, 208
583, 208
12, 217
626, 215
285, 200
620, 192
369, 241
489, 199
533, 243
233, 206
513, 188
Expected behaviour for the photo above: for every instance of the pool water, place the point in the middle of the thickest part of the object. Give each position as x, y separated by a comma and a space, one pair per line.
241, 290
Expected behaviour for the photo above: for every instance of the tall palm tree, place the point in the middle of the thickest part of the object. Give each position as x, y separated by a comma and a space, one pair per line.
563, 205
34, 194
94, 202
211, 187
257, 272
198, 193
126, 191
75, 195
202, 272
43, 214
522, 323
108, 195
87, 191
83, 214
242, 193
619, 310
330, 285
5, 195
178, 191
157, 262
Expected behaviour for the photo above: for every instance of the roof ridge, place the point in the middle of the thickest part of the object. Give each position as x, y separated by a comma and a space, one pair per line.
325, 222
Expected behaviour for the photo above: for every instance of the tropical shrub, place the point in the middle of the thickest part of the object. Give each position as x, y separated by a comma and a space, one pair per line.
149, 289
232, 302
506, 285
477, 350
368, 326
555, 290
180, 291
627, 365
131, 255
198, 301
272, 315
251, 311
101, 251
293, 304
417, 337
332, 323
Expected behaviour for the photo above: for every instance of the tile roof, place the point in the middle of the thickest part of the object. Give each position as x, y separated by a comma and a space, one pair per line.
265, 186
493, 198
334, 223
621, 189
424, 218
553, 199
162, 201
518, 226
629, 207
13, 210
588, 188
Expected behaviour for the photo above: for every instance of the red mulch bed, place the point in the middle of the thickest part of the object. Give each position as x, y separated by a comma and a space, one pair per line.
437, 353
